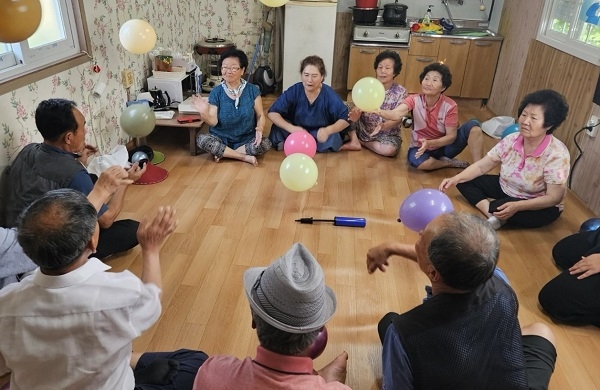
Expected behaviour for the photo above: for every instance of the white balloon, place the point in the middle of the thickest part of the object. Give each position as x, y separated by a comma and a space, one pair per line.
273, 3
137, 36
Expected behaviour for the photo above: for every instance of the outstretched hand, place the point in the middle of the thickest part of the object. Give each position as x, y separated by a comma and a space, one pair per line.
135, 172
354, 114
423, 148
151, 234
200, 103
377, 258
448, 183
587, 266
112, 178
107, 184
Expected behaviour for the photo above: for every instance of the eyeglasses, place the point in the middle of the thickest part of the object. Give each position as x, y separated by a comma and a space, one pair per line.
231, 69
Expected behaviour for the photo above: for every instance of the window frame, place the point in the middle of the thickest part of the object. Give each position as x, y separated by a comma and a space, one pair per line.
566, 43
67, 62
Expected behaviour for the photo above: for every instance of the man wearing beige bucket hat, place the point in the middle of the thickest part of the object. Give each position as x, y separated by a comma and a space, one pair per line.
290, 305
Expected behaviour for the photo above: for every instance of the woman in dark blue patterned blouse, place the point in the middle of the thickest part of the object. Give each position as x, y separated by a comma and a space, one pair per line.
234, 112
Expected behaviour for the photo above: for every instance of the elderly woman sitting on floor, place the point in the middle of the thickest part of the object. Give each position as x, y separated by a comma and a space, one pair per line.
234, 112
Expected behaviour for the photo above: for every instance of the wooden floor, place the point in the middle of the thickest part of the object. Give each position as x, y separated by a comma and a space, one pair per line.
234, 216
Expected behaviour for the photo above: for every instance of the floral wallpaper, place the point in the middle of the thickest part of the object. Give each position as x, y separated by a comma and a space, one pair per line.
179, 25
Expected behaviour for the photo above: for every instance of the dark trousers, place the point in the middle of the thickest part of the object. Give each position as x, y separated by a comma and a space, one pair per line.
151, 373
332, 144
488, 187
565, 298
119, 237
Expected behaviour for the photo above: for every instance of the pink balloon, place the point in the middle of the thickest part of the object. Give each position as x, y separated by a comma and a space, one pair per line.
422, 206
300, 142
318, 346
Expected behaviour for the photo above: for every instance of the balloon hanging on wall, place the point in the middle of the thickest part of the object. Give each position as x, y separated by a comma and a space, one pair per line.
137, 120
20, 19
273, 3
137, 36
368, 94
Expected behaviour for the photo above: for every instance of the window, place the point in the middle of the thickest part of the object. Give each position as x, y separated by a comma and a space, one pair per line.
572, 26
59, 43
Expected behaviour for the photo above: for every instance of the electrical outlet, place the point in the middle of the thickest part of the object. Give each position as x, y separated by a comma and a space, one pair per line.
594, 123
127, 78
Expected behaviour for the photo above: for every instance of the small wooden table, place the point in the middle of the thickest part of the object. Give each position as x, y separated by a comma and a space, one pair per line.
193, 127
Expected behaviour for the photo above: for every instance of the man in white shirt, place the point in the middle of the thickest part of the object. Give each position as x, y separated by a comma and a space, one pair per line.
70, 325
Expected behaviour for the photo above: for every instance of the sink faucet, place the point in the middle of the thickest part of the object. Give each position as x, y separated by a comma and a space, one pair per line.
445, 2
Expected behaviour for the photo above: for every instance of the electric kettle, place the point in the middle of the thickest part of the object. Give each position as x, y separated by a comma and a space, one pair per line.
159, 99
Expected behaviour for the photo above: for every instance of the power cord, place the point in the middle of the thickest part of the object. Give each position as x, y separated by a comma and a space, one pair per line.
580, 154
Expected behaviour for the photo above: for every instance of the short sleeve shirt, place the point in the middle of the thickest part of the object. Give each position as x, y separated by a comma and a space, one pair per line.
431, 123
236, 126
527, 176
294, 107
393, 97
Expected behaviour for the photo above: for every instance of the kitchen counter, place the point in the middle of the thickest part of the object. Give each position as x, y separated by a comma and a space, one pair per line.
380, 44
490, 35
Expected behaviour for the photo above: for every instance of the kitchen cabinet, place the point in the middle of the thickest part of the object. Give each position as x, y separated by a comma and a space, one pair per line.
422, 52
480, 69
472, 63
362, 59
454, 53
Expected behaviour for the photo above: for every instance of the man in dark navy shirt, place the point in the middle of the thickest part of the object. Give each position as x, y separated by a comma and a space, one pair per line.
466, 333
60, 162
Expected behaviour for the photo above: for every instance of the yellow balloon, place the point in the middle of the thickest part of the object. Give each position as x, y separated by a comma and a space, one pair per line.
368, 94
20, 19
298, 172
273, 3
137, 36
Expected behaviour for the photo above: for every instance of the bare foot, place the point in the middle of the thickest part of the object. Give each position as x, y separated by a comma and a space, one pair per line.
352, 145
251, 160
217, 159
322, 135
336, 370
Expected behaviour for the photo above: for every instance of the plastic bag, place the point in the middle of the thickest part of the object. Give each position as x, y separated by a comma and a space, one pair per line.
117, 156
495, 126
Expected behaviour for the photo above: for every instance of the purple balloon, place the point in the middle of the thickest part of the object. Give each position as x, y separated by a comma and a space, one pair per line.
422, 206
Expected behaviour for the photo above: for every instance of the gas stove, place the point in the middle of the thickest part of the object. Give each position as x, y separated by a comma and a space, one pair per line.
381, 33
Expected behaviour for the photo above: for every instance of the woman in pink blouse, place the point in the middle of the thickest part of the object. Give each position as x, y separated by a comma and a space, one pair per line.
534, 167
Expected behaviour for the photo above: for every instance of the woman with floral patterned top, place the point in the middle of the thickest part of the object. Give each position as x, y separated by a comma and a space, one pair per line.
534, 167
368, 129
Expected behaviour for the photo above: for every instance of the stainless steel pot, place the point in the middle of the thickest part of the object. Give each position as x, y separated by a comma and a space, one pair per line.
394, 13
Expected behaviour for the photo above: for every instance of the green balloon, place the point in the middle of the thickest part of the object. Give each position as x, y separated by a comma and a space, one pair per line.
138, 120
